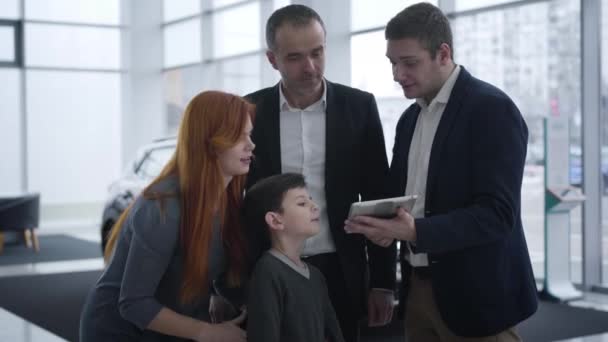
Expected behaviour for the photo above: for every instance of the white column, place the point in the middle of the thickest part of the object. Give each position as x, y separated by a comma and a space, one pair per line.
336, 16
592, 182
144, 114
268, 76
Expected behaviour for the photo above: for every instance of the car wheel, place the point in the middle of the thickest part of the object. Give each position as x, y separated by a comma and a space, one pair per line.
105, 234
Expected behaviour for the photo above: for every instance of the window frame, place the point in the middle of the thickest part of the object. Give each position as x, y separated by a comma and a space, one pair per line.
17, 26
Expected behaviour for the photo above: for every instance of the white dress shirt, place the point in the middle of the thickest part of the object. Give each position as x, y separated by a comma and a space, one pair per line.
420, 152
303, 151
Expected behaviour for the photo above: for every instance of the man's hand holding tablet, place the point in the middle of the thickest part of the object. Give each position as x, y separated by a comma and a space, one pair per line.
383, 221
383, 208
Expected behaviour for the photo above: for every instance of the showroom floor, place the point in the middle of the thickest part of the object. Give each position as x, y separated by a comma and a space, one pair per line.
15, 329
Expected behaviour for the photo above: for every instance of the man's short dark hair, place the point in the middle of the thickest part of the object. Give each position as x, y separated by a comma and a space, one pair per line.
295, 15
424, 22
264, 196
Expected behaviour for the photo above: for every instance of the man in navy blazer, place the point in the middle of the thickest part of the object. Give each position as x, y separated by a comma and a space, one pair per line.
461, 148
332, 134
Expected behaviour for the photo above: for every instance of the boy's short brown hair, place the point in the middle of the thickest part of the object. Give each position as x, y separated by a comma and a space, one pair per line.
265, 196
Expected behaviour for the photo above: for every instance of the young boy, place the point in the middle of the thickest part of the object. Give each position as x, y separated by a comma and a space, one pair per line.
288, 298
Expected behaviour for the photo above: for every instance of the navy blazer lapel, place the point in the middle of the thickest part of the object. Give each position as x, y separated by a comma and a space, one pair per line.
445, 124
270, 132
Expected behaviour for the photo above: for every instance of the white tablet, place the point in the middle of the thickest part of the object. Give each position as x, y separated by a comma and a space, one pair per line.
385, 208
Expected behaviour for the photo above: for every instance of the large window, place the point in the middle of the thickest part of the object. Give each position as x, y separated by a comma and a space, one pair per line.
531, 52
230, 38
236, 75
372, 72
182, 43
10, 9
72, 47
78, 11
73, 128
173, 10
216, 47
180, 85
11, 42
223, 3
71, 123
7, 45
464, 5
363, 19
370, 69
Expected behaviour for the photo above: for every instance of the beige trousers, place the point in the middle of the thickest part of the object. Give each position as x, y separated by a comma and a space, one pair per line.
423, 322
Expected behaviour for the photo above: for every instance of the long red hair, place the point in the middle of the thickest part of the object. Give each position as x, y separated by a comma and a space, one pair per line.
212, 122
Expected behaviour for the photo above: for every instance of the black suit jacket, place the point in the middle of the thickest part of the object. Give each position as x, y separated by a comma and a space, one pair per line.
355, 166
472, 231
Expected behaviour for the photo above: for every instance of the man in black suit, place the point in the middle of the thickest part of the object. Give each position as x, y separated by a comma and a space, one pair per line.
461, 148
332, 134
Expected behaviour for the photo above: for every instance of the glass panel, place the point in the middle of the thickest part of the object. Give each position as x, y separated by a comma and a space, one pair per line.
370, 68
7, 44
182, 43
230, 39
83, 110
463, 5
10, 9
372, 72
238, 76
72, 46
10, 139
531, 52
173, 10
180, 86
361, 18
280, 3
276, 5
80, 11
222, 3
604, 137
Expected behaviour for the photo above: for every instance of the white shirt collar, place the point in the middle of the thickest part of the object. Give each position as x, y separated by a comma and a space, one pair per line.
444, 93
320, 105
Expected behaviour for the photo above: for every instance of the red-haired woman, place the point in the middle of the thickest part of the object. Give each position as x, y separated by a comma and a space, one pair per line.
179, 235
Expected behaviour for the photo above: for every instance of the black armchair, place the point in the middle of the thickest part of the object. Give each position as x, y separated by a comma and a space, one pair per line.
22, 214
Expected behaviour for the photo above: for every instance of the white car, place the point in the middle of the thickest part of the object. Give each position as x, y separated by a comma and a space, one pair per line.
148, 163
